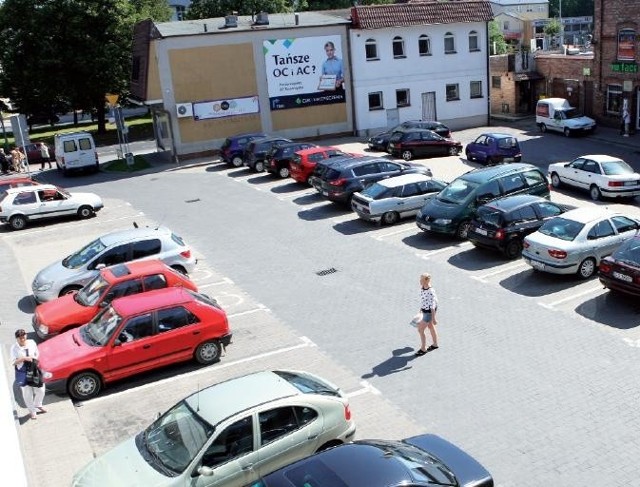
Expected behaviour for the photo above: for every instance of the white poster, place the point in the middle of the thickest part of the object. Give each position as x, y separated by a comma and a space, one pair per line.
225, 108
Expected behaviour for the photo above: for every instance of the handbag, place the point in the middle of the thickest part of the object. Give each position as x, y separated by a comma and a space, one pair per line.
34, 374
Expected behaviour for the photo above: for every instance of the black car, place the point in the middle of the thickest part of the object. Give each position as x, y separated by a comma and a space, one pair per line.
338, 180
257, 150
381, 141
503, 223
621, 270
419, 461
233, 147
422, 143
278, 159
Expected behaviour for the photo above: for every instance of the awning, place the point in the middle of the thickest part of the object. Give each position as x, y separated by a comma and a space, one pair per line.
529, 76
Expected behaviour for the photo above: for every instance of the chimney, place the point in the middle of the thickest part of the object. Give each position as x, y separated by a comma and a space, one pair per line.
297, 17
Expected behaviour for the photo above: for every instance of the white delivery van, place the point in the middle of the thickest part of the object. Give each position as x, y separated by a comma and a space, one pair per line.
76, 151
557, 114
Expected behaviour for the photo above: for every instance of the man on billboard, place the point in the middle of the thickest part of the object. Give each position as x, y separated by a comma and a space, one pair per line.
332, 75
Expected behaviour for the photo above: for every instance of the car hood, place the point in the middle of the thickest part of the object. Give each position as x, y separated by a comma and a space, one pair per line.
87, 197
557, 166
55, 272
65, 350
580, 122
120, 466
384, 135
436, 208
64, 311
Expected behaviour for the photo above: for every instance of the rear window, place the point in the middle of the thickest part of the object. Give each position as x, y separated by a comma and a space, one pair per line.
561, 228
377, 191
490, 216
226, 144
85, 144
306, 384
330, 174
69, 146
534, 177
177, 239
508, 143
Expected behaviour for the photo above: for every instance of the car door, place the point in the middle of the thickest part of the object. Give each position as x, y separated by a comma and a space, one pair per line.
573, 174
131, 349
590, 174
625, 227
512, 184
477, 148
114, 255
121, 289
54, 203
603, 239
178, 333
367, 174
411, 199
27, 203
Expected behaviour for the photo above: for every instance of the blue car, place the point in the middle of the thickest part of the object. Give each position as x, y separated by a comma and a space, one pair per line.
233, 147
493, 148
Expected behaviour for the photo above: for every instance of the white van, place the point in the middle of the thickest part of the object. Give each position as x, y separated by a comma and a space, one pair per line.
76, 151
557, 114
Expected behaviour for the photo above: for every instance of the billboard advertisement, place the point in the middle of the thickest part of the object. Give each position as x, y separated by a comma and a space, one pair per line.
225, 108
304, 71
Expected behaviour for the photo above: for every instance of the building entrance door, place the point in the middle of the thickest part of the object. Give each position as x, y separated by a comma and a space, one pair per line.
429, 106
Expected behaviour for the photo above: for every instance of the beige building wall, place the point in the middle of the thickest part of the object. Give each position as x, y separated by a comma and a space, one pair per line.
154, 92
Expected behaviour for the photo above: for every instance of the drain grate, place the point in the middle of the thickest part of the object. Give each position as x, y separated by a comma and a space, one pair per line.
192, 201
326, 272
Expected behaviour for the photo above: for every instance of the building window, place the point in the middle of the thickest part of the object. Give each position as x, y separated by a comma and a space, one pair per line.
496, 82
473, 41
505, 25
424, 45
375, 100
449, 43
614, 99
371, 50
398, 47
453, 92
475, 88
181, 10
402, 98
626, 45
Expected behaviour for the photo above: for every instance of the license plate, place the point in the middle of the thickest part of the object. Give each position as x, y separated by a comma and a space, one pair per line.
622, 277
537, 265
481, 231
508, 159
631, 183
424, 227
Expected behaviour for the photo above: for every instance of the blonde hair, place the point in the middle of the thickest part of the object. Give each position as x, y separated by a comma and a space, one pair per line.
425, 276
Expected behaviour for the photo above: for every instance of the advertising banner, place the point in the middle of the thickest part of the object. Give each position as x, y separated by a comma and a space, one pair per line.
304, 71
626, 45
225, 108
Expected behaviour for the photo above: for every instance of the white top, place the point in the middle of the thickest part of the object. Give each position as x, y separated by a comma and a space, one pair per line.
428, 299
18, 352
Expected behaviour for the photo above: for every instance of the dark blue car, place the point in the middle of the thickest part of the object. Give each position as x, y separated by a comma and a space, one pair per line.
493, 148
233, 147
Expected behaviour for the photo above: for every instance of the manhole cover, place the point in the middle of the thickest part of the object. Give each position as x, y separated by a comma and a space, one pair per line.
326, 272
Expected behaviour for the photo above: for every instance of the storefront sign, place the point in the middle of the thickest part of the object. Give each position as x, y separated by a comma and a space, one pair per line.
225, 108
624, 67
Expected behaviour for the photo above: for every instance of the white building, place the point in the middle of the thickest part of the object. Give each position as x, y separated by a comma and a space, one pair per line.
524, 9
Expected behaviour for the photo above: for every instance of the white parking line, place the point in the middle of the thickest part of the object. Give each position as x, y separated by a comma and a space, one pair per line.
499, 271
297, 194
367, 388
431, 253
256, 310
71, 223
569, 298
225, 280
404, 229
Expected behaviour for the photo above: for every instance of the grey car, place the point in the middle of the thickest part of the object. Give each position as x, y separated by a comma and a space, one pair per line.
77, 269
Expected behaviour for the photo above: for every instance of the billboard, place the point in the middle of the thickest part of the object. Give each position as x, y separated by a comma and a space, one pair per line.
225, 108
304, 71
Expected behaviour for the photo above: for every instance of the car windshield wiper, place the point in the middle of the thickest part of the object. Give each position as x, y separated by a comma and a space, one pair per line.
445, 200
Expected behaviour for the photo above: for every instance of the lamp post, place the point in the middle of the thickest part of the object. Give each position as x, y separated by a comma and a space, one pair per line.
561, 26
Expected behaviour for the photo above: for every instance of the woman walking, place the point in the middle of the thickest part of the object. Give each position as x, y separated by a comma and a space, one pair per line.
26, 350
428, 308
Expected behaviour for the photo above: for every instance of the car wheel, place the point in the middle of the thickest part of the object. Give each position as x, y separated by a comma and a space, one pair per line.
283, 172
586, 268
469, 156
543, 128
595, 193
555, 180
180, 269
567, 132
18, 222
69, 290
407, 155
84, 385
491, 161
453, 150
463, 230
517, 159
208, 352
259, 167
236, 161
390, 218
97, 168
513, 248
85, 212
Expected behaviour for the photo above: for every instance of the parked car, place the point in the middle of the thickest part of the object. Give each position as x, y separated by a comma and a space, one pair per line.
494, 148
232, 148
24, 204
421, 143
576, 241
78, 308
601, 175
76, 151
256, 152
346, 176
381, 141
389, 200
503, 223
7, 182
134, 334
77, 269
419, 461
34, 154
230, 434
304, 161
620, 271
451, 210
279, 158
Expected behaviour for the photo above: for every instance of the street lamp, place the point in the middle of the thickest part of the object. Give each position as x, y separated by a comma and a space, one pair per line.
561, 26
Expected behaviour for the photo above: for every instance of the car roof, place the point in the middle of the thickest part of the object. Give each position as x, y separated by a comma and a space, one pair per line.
321, 148
291, 144
248, 134
133, 234
511, 203
498, 135
343, 160
124, 271
349, 162
17, 179
484, 174
588, 214
150, 300
600, 158
403, 179
35, 187
65, 134
224, 399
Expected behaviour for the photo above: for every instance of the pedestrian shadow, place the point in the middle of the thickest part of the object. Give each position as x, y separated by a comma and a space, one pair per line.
398, 362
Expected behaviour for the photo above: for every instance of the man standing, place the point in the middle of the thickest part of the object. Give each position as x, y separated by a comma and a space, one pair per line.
626, 120
333, 65
44, 153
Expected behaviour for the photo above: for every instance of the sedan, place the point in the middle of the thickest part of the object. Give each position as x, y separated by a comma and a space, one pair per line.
230, 434
599, 174
576, 241
135, 334
421, 143
621, 270
420, 461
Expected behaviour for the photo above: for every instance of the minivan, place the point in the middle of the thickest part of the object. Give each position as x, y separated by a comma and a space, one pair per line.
76, 151
451, 210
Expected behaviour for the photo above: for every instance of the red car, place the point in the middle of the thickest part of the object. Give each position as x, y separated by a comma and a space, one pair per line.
15, 182
132, 335
34, 155
304, 161
77, 308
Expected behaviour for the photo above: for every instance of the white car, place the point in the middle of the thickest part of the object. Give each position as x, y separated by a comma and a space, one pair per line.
28, 203
576, 241
601, 175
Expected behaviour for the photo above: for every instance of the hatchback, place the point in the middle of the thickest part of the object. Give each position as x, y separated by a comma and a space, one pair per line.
381, 141
494, 148
503, 223
24, 204
75, 309
232, 148
279, 158
256, 152
576, 241
391, 199
77, 269
304, 161
134, 334
230, 434
420, 461
421, 143
620, 271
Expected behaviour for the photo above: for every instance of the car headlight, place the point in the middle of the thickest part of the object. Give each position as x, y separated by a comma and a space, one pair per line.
44, 329
44, 287
442, 221
46, 374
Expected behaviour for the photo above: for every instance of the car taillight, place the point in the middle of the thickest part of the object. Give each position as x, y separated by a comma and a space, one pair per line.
347, 412
615, 183
338, 182
605, 267
557, 254
525, 244
500, 234
186, 254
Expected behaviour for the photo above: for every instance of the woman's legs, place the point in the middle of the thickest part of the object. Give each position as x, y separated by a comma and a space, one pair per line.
423, 339
434, 334
38, 397
28, 396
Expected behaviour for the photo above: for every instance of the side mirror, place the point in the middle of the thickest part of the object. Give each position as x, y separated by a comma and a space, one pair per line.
99, 266
205, 471
117, 343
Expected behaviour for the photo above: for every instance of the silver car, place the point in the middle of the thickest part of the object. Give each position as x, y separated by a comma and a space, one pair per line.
74, 271
389, 200
230, 434
576, 241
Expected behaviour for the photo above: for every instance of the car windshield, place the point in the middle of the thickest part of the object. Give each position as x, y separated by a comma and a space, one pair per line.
616, 168
561, 228
175, 438
376, 191
90, 294
84, 255
458, 191
100, 329
629, 252
572, 113
489, 216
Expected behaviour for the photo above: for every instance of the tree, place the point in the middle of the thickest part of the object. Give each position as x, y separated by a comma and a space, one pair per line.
497, 44
206, 9
571, 8
553, 28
